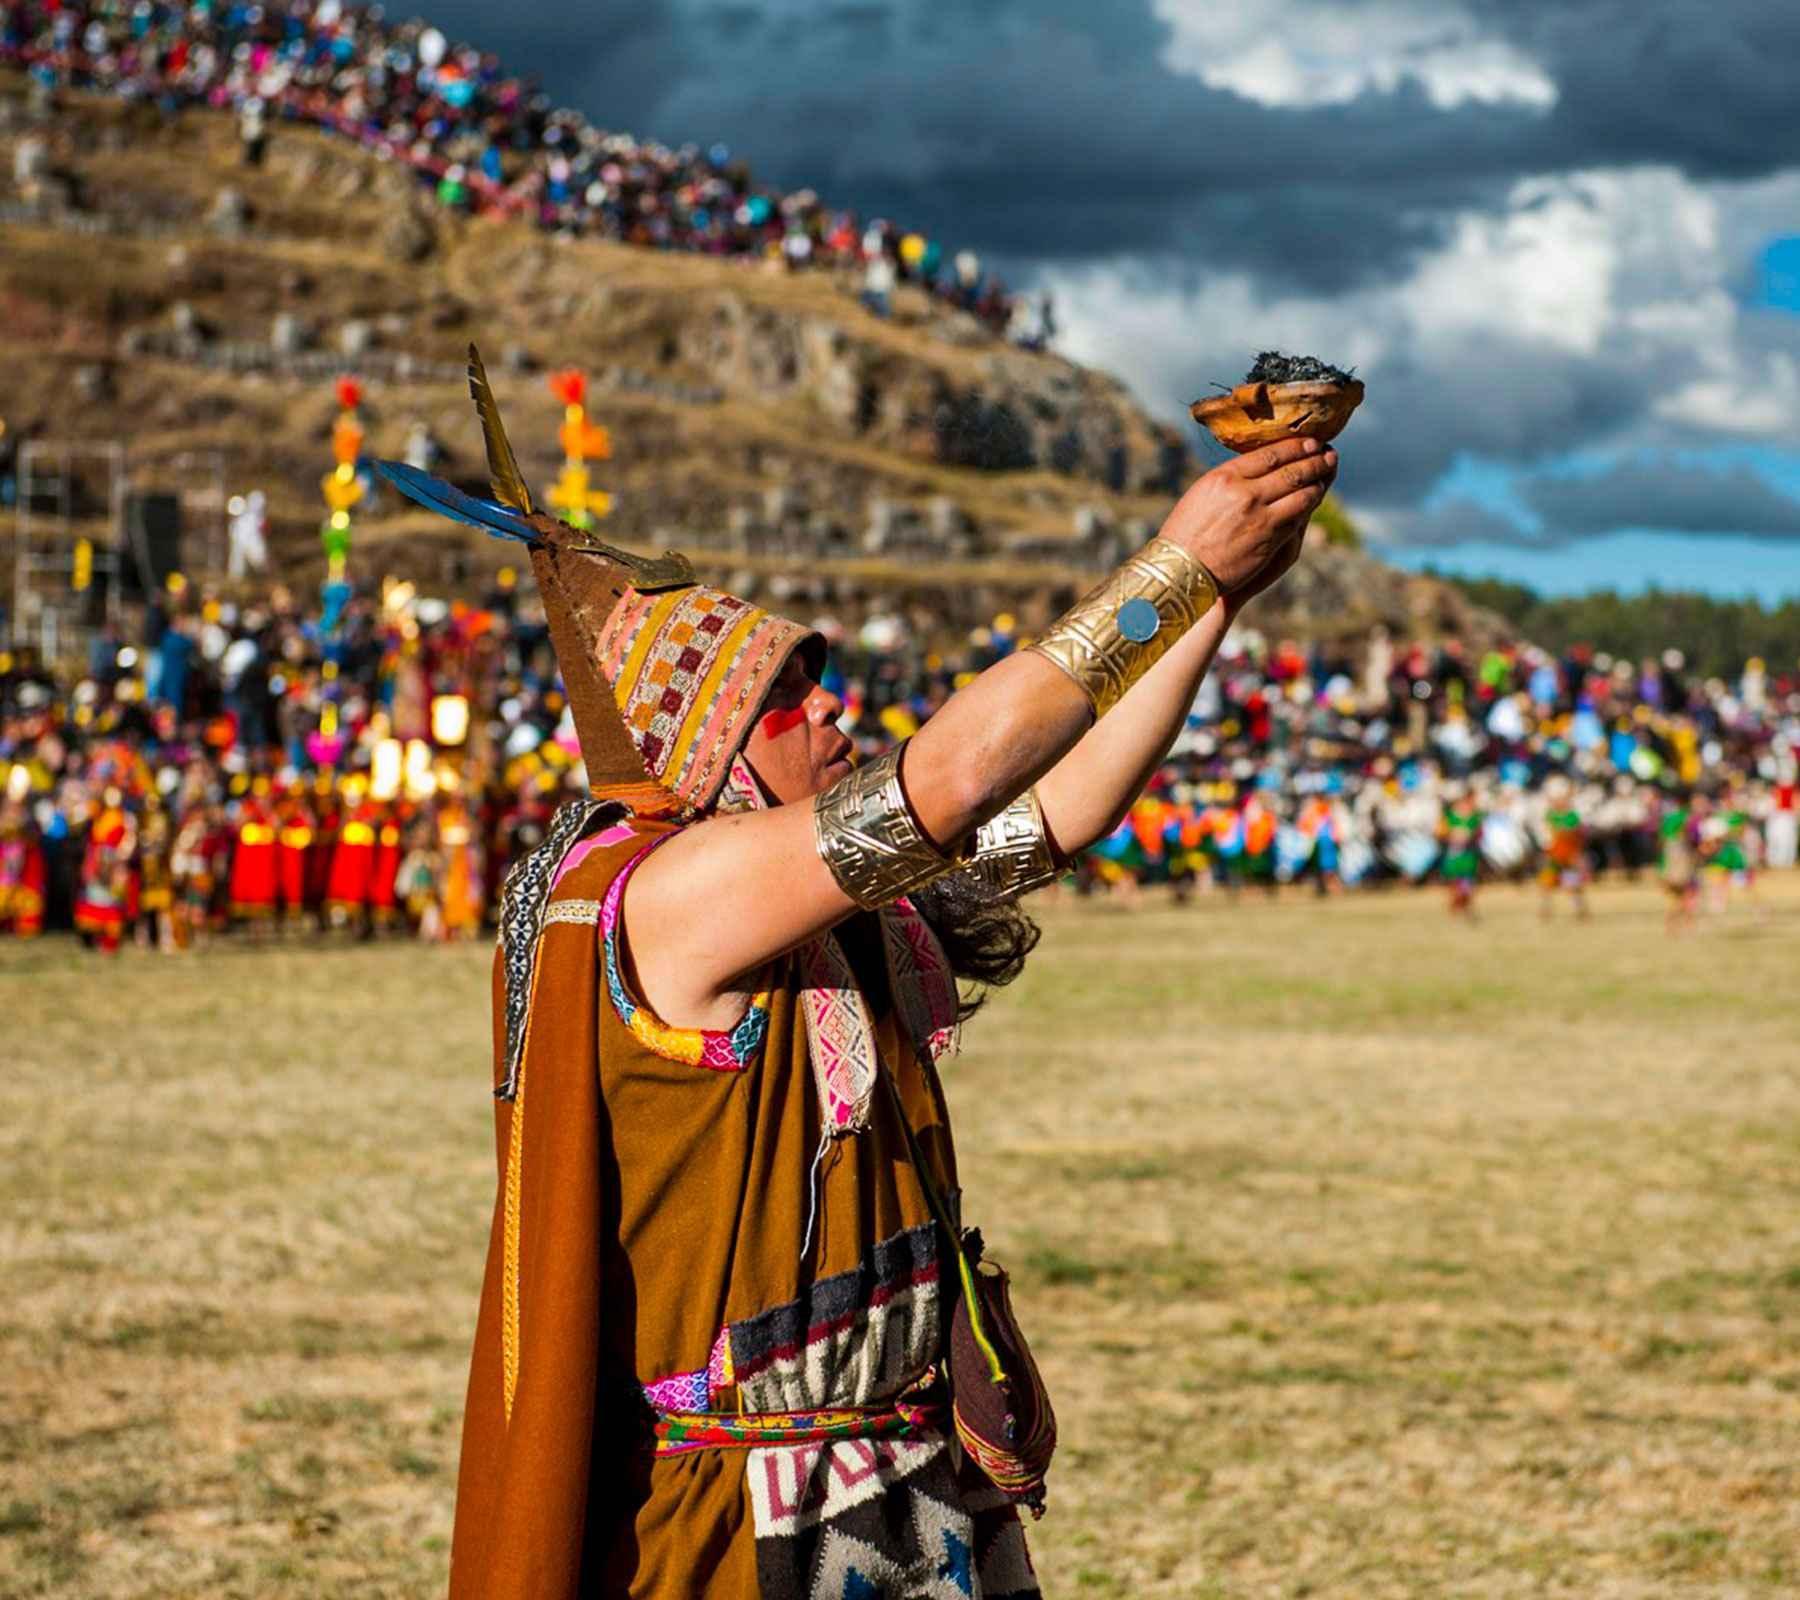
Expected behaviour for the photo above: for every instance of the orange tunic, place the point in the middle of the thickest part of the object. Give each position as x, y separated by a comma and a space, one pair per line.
650, 1246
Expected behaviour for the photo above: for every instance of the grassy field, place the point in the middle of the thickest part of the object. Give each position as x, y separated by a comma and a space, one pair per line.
1367, 1255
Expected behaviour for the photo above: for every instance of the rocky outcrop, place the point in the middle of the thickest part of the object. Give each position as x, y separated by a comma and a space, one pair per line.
1006, 411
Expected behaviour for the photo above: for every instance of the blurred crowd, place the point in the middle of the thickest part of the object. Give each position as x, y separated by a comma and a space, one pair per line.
228, 765
478, 137
1415, 762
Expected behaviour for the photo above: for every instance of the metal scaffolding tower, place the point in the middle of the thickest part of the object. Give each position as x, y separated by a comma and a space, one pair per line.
47, 607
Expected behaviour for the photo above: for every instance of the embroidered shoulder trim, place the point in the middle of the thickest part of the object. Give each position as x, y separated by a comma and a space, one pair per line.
580, 911
727, 1050
522, 904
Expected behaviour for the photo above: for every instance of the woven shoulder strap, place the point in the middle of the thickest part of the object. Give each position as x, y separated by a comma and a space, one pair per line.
951, 1226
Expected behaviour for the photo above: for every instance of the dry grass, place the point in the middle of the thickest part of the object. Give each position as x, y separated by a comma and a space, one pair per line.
1368, 1256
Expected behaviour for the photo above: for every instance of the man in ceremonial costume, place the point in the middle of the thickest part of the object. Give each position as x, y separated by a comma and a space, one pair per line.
709, 1352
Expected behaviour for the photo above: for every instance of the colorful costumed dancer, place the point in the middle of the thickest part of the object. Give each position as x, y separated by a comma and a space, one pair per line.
108, 902
385, 915
1680, 866
294, 839
1460, 831
460, 852
156, 893
327, 814
732, 1340
22, 876
1565, 849
1321, 821
1117, 860
194, 867
1260, 823
1728, 860
255, 882
353, 859
420, 883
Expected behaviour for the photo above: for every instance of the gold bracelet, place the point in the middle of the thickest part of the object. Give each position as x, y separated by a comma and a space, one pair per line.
1013, 854
1110, 638
867, 835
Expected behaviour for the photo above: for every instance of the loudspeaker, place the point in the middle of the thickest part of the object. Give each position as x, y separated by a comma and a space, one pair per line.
152, 542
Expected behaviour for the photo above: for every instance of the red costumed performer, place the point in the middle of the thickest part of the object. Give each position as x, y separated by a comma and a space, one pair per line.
255, 874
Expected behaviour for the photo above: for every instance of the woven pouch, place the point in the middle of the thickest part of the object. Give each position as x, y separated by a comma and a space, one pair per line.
1002, 1411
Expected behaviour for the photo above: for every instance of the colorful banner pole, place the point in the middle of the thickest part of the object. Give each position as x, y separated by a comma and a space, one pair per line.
343, 488
582, 442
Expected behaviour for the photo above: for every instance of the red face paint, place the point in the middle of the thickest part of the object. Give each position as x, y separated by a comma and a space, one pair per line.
775, 723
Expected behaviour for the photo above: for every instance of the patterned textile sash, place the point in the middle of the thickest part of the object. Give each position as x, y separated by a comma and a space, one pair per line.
840, 1033
920, 1410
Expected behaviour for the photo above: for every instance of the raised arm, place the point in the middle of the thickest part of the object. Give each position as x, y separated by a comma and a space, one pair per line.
726, 896
1086, 794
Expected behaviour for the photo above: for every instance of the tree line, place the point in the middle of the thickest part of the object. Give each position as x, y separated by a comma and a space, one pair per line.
1717, 636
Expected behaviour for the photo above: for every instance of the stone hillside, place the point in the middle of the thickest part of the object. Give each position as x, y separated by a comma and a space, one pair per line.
155, 291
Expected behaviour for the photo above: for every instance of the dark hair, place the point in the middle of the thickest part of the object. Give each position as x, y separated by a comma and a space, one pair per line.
986, 939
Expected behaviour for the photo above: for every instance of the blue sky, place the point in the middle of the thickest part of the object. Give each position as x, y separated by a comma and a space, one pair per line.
1727, 566
1559, 239
1629, 558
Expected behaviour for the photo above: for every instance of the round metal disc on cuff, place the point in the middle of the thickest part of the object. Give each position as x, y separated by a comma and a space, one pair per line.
1138, 620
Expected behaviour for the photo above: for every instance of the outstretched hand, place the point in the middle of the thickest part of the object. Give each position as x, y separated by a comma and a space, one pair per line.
1240, 519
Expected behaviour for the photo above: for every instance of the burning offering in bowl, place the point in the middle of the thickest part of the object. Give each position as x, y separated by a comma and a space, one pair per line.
1281, 397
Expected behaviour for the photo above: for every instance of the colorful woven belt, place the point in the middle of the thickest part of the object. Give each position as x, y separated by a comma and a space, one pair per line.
920, 1410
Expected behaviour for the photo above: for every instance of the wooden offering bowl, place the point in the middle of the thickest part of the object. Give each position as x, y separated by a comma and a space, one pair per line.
1255, 414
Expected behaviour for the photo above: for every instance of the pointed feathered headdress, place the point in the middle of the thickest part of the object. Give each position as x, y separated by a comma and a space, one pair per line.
663, 674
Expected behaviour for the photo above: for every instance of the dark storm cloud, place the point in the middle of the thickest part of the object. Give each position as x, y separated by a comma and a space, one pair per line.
1050, 130
1667, 496
1053, 132
1500, 400
1705, 85
1458, 521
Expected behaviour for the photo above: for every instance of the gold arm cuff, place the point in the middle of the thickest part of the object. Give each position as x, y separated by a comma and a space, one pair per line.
1110, 638
1013, 854
866, 835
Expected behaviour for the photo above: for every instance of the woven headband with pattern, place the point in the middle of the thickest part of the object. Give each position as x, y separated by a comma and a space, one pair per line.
690, 669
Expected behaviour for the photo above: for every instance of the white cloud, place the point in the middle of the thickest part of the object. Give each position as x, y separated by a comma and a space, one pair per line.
1768, 404
1590, 312
1540, 271
1310, 53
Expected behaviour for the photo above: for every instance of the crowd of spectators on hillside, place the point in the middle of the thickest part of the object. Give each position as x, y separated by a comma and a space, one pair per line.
478, 136
226, 763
